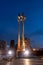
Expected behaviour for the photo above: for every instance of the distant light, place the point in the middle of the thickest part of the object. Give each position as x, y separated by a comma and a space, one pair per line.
34, 49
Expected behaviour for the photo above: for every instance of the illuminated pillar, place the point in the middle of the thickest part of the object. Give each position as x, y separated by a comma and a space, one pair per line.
23, 42
18, 49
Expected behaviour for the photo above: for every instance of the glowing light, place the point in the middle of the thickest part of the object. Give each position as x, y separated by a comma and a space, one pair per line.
34, 49
10, 53
19, 17
26, 53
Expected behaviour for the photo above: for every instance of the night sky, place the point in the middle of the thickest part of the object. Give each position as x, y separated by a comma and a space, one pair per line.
33, 26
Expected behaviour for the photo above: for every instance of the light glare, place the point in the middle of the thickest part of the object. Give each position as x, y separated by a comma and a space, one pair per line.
10, 52
26, 53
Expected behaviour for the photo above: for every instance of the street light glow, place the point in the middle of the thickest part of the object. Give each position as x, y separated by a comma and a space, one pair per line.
26, 53
9, 52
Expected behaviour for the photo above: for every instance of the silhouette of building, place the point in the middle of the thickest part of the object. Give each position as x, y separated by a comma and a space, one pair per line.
12, 44
3, 44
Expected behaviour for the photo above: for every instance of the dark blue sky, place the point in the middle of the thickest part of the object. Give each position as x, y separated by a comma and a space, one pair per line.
33, 10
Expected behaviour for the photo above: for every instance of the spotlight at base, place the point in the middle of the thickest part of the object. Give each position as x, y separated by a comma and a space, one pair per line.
26, 53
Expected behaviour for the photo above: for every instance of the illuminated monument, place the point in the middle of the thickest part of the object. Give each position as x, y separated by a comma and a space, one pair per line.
23, 47
21, 19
